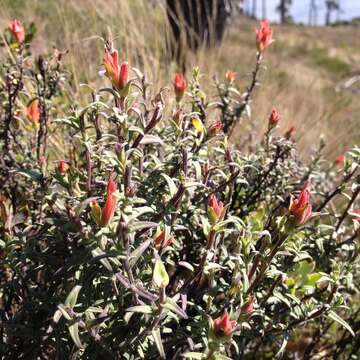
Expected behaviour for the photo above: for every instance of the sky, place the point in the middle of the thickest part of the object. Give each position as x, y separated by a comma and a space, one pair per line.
300, 10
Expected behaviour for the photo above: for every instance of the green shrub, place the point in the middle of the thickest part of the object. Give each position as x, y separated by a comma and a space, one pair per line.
131, 228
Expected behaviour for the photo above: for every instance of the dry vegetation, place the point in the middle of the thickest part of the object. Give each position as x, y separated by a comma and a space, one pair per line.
305, 64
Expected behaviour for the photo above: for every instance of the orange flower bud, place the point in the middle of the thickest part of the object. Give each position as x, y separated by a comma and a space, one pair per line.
124, 75
179, 86
160, 242
17, 30
215, 209
33, 112
230, 76
264, 36
63, 167
224, 327
215, 128
301, 208
110, 203
290, 132
340, 160
274, 118
118, 74
95, 212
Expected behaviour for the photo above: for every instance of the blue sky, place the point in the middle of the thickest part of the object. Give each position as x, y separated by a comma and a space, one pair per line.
300, 10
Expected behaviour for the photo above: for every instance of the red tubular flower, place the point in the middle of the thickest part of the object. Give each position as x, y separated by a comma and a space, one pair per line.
230, 76
301, 208
340, 160
290, 132
274, 118
17, 30
33, 112
223, 326
112, 69
118, 74
215, 128
124, 75
179, 86
264, 36
110, 204
63, 167
216, 209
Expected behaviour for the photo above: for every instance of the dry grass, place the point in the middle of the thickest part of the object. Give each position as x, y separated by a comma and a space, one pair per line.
304, 64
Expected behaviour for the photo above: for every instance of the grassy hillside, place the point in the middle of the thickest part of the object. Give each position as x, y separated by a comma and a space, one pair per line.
305, 65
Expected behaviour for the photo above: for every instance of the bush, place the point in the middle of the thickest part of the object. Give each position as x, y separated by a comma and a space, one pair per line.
132, 228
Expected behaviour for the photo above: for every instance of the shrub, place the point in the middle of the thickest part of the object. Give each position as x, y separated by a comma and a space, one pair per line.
132, 228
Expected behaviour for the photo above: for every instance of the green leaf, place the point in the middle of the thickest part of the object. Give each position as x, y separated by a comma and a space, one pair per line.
157, 338
74, 332
32, 174
138, 225
193, 355
160, 276
72, 297
144, 309
171, 184
342, 322
171, 305
98, 252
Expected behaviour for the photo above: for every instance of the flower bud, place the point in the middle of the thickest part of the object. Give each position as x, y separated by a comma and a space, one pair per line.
230, 76
290, 132
215, 209
223, 327
160, 276
124, 75
95, 212
215, 128
17, 30
179, 86
274, 118
300, 208
63, 167
110, 203
33, 112
163, 239
264, 36
340, 160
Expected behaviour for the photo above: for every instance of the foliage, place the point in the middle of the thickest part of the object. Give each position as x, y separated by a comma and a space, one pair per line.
206, 251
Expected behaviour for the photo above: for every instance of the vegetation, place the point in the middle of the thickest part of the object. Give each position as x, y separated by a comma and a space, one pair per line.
133, 227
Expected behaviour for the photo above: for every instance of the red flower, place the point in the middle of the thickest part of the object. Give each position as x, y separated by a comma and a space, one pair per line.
215, 128
340, 160
230, 75
33, 112
63, 167
215, 209
110, 204
264, 36
290, 132
223, 326
118, 74
274, 118
301, 208
124, 75
179, 86
248, 307
17, 30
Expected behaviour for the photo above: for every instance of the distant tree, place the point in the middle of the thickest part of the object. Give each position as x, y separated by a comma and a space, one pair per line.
313, 13
284, 9
331, 5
